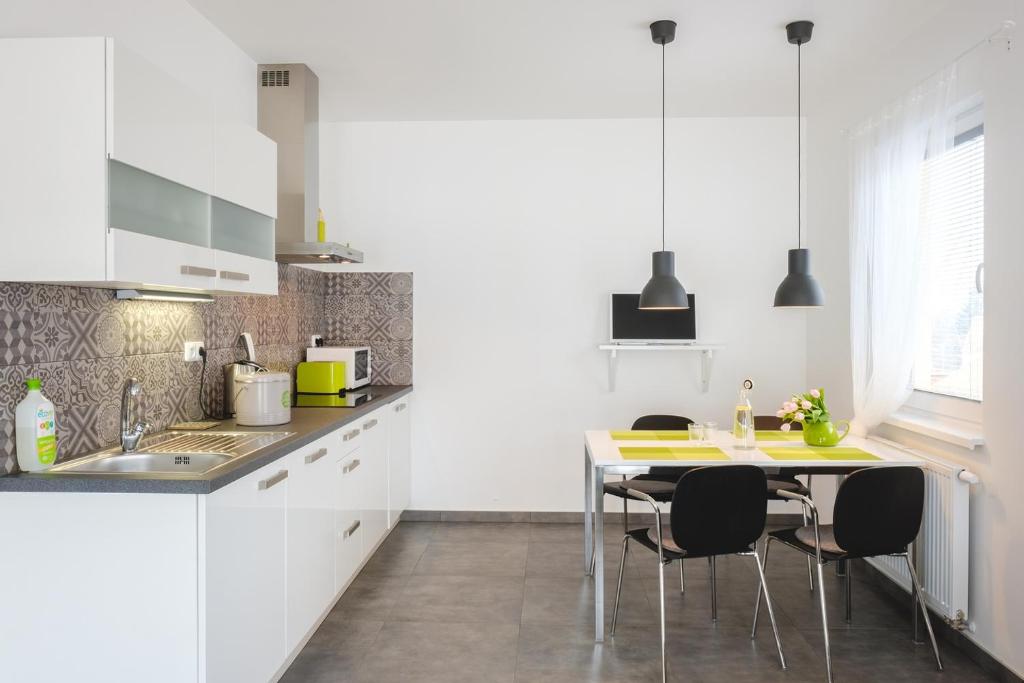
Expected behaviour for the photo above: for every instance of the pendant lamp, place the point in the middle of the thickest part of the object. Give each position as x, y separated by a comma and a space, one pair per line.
663, 291
799, 289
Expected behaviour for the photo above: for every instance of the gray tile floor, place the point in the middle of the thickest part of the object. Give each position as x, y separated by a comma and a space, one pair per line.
475, 602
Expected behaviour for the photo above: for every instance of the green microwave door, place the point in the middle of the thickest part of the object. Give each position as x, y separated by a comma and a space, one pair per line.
320, 377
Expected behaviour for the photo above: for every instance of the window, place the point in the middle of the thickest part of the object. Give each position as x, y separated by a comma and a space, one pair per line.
949, 357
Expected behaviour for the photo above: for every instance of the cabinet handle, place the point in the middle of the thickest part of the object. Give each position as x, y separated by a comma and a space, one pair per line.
352, 529
198, 270
369, 424
351, 466
350, 435
400, 407
231, 275
313, 457
265, 484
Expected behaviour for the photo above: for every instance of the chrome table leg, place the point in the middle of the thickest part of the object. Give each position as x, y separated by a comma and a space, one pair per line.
588, 509
599, 558
661, 593
714, 590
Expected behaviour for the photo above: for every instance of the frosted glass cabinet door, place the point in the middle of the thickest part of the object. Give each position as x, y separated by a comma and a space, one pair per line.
157, 123
240, 230
151, 205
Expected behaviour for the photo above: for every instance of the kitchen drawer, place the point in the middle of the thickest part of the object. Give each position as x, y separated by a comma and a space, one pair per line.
241, 274
348, 531
349, 437
137, 259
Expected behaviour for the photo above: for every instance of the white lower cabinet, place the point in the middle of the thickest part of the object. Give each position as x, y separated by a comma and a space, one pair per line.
348, 518
243, 560
399, 458
374, 449
311, 500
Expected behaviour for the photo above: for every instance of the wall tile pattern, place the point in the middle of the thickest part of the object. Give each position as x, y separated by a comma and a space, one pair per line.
375, 310
83, 344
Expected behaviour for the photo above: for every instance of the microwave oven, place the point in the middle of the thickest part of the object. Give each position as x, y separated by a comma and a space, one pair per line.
357, 360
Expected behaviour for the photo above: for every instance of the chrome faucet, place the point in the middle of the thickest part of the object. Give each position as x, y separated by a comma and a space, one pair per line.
131, 433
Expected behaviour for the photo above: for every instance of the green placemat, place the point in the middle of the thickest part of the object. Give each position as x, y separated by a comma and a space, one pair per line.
672, 453
808, 453
777, 435
650, 435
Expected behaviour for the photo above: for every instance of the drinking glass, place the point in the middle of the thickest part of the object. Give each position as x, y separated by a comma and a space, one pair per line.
696, 432
709, 431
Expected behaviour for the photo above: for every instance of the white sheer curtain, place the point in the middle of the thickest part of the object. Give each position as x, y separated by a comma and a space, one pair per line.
887, 152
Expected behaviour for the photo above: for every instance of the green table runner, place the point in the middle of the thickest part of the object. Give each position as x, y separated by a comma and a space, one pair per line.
777, 435
650, 435
808, 453
672, 453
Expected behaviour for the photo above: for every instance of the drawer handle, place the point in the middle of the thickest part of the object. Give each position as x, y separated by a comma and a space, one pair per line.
352, 529
313, 457
350, 435
231, 275
272, 481
400, 407
351, 466
198, 270
369, 424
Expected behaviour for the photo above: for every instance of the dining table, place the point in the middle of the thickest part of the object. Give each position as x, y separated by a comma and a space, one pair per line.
631, 452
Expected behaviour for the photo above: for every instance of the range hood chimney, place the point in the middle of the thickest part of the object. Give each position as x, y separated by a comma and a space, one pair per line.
288, 112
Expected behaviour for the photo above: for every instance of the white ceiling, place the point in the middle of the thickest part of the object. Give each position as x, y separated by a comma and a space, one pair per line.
512, 59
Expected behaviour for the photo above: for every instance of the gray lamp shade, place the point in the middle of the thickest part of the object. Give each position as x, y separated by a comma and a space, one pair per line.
799, 289
663, 290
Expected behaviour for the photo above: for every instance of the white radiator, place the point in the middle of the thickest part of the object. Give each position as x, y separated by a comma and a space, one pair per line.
941, 554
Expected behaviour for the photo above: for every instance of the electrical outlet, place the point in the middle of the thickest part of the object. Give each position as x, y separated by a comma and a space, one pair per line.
316, 340
192, 351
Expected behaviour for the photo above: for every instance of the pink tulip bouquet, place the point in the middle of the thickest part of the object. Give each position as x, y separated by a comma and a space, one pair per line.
806, 408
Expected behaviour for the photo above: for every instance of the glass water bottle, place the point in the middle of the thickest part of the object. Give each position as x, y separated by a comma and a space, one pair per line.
743, 424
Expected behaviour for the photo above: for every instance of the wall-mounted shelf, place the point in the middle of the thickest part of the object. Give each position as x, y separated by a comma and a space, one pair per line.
706, 352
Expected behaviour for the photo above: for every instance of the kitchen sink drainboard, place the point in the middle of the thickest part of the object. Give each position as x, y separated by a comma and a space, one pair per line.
233, 443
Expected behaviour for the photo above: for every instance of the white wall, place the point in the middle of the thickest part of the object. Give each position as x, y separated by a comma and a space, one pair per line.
516, 233
170, 33
997, 509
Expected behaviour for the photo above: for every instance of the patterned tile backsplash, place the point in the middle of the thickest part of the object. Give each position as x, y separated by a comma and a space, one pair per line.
83, 344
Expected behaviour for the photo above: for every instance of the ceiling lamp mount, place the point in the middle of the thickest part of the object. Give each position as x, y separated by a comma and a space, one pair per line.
663, 291
799, 289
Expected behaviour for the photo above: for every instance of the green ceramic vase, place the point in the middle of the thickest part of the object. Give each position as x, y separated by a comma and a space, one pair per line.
824, 433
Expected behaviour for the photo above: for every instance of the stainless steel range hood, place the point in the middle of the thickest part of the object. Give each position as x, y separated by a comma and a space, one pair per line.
288, 107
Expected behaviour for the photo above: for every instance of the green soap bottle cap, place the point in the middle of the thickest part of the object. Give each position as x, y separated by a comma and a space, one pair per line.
33, 383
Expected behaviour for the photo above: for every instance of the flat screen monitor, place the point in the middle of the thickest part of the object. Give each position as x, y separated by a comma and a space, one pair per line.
630, 325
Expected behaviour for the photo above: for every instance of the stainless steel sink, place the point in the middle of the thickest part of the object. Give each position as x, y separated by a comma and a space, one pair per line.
174, 452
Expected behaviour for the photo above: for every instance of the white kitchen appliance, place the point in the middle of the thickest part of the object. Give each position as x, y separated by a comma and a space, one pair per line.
263, 398
356, 359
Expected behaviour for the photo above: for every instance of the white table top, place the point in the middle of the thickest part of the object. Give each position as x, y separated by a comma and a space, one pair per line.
604, 452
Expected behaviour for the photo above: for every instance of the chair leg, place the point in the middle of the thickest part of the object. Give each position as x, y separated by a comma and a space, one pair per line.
771, 612
924, 611
757, 603
810, 564
714, 590
625, 513
682, 578
849, 593
824, 623
618, 586
661, 592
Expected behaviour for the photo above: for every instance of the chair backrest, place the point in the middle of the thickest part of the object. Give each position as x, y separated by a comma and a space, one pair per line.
666, 422
719, 510
878, 510
772, 422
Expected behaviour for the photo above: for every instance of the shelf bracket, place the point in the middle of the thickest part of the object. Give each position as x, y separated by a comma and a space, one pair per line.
706, 359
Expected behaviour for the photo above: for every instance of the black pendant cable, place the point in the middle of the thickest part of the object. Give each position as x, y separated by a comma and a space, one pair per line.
663, 291
799, 289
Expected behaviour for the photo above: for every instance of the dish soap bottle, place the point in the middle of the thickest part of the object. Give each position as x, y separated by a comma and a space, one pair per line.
743, 424
321, 226
35, 425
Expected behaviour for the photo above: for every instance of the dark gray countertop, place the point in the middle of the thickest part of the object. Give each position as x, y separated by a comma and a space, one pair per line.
308, 425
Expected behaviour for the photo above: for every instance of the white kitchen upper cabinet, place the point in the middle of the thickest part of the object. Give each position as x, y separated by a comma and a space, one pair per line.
245, 166
311, 548
157, 123
399, 458
241, 274
243, 591
374, 452
142, 260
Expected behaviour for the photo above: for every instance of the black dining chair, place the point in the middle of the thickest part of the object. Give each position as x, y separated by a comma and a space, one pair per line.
659, 482
786, 478
877, 512
716, 510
